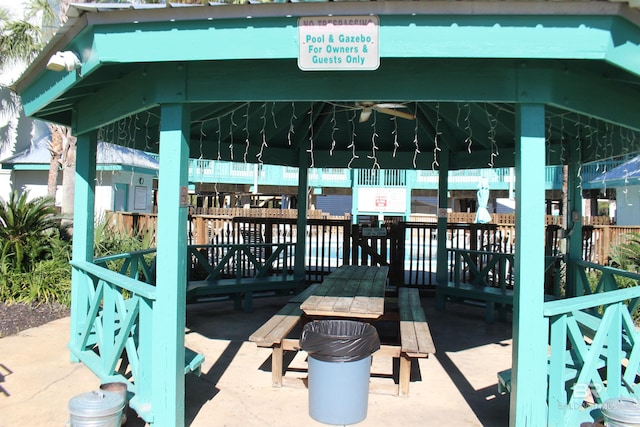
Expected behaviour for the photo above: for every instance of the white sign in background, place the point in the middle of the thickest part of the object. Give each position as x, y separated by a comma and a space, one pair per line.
382, 199
338, 43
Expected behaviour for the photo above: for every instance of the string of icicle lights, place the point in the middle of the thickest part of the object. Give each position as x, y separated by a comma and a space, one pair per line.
255, 124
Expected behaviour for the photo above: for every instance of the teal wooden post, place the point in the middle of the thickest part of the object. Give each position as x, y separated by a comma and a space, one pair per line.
299, 269
83, 230
442, 269
529, 357
169, 308
574, 224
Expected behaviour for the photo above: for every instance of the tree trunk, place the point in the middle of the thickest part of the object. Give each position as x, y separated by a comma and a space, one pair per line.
55, 148
68, 180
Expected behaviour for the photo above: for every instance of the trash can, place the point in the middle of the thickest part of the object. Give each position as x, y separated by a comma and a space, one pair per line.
97, 408
339, 369
121, 389
621, 412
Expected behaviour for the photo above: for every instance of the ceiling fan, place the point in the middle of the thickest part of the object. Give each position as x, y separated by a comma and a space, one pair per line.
386, 108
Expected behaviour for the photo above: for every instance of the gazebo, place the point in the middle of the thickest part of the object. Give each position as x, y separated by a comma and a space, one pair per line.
380, 85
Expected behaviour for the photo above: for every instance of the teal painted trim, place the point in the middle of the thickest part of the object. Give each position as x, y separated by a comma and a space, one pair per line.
220, 171
529, 357
83, 231
170, 307
442, 269
27, 167
435, 36
128, 169
48, 86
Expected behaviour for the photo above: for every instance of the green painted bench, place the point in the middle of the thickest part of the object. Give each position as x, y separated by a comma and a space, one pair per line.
493, 298
252, 273
240, 290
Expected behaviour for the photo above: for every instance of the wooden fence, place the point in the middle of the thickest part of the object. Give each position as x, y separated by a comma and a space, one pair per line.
207, 229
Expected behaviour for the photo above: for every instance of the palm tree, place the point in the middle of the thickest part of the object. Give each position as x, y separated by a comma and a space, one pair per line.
20, 41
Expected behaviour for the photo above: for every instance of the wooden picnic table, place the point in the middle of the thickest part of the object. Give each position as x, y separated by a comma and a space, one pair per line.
349, 291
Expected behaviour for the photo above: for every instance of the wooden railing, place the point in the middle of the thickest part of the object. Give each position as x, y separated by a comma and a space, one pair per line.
120, 327
594, 345
211, 262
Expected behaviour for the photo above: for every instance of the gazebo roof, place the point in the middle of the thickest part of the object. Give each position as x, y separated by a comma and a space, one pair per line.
461, 68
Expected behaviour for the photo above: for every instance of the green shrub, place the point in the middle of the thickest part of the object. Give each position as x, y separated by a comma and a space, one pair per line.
26, 226
34, 259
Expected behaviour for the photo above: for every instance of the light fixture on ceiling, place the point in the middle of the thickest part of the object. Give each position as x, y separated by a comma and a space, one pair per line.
65, 60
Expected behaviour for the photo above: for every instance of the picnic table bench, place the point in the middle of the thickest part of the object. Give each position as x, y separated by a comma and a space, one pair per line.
414, 336
255, 274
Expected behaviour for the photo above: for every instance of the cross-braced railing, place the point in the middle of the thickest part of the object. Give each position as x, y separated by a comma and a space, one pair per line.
594, 346
112, 336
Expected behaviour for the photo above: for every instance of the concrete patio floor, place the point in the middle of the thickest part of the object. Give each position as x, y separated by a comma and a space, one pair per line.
454, 387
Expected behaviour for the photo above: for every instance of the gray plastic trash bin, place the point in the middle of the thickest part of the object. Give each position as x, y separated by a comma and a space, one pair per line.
339, 369
621, 412
97, 408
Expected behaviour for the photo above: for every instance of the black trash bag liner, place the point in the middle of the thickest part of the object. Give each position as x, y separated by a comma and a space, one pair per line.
339, 340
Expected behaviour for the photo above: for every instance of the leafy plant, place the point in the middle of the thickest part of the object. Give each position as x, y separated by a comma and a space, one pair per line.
626, 255
26, 227
34, 259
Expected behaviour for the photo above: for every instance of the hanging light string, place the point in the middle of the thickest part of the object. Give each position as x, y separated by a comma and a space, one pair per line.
374, 147
219, 132
246, 129
202, 136
310, 149
415, 141
436, 134
232, 124
626, 188
147, 138
396, 145
563, 141
334, 128
273, 114
578, 152
292, 129
493, 123
352, 122
547, 139
467, 121
263, 145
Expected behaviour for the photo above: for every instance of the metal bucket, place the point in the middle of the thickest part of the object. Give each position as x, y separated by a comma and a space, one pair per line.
621, 412
121, 389
97, 408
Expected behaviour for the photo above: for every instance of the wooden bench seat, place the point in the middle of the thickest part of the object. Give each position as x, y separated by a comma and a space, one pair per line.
240, 289
273, 333
415, 337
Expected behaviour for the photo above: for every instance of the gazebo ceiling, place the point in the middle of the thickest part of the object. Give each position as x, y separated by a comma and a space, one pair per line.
250, 101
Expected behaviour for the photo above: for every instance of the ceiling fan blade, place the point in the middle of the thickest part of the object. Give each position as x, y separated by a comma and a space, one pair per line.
396, 113
365, 114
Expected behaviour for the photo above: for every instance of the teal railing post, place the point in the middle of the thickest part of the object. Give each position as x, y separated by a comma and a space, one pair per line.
83, 229
169, 309
529, 357
442, 270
